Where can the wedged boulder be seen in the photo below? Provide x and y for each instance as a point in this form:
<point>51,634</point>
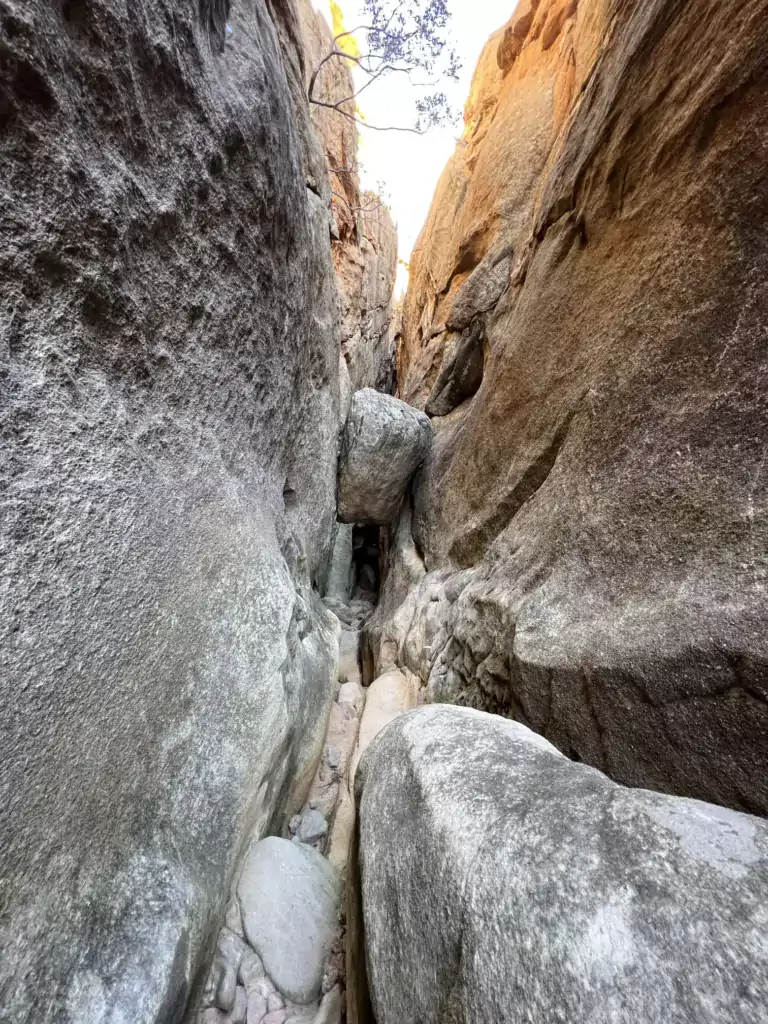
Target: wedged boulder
<point>290,897</point>
<point>502,882</point>
<point>482,289</point>
<point>384,443</point>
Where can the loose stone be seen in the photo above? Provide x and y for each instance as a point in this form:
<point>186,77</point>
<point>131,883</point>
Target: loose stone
<point>334,758</point>
<point>330,1008</point>
<point>251,970</point>
<point>313,827</point>
<point>265,987</point>
<point>274,1001</point>
<point>290,897</point>
<point>257,1008</point>
<point>240,1008</point>
<point>212,1015</point>
<point>278,1017</point>
<point>232,919</point>
<point>226,986</point>
<point>231,948</point>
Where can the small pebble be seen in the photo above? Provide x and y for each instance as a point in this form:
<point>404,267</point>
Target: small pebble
<point>299,1011</point>
<point>232,918</point>
<point>226,985</point>
<point>240,1009</point>
<point>330,977</point>
<point>274,1001</point>
<point>265,987</point>
<point>251,970</point>
<point>257,1008</point>
<point>213,1016</point>
<point>313,827</point>
<point>231,947</point>
<point>213,981</point>
<point>330,1008</point>
<point>293,824</point>
<point>333,755</point>
<point>276,1017</point>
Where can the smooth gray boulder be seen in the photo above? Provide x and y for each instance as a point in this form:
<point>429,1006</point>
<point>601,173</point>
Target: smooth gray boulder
<point>312,827</point>
<point>502,883</point>
<point>290,897</point>
<point>384,443</point>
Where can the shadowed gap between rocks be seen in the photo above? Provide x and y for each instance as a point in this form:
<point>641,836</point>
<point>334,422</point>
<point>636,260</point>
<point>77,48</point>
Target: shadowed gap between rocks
<point>281,955</point>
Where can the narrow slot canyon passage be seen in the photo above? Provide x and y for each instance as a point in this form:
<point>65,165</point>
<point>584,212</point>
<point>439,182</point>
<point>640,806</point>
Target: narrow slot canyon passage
<point>367,554</point>
<point>285,950</point>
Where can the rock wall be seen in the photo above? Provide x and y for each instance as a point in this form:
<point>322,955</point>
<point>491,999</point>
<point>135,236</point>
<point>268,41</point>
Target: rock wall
<point>170,416</point>
<point>365,239</point>
<point>536,889</point>
<point>586,322</point>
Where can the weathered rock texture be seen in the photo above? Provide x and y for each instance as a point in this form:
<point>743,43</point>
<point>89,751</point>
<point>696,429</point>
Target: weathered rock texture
<point>169,421</point>
<point>536,889</point>
<point>383,444</point>
<point>599,504</point>
<point>365,243</point>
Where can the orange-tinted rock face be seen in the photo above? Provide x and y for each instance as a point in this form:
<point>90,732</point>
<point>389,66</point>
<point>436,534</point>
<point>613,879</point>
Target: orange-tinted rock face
<point>600,238</point>
<point>521,89</point>
<point>365,244</point>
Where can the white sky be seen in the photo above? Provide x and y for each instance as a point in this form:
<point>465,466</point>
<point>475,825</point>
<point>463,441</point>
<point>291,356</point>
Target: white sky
<point>408,166</point>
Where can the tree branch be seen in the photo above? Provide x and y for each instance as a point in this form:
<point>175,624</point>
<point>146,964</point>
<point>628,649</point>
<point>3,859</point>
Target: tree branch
<point>373,127</point>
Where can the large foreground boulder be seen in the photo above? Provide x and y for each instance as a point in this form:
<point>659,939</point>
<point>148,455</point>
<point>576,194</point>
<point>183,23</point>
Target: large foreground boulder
<point>501,883</point>
<point>384,443</point>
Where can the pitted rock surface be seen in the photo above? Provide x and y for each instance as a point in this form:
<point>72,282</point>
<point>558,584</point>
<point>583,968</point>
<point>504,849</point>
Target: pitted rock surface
<point>169,420</point>
<point>605,483</point>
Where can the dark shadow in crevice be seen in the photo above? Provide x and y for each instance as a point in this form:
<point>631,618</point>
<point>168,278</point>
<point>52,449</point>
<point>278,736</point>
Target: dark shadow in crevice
<point>367,562</point>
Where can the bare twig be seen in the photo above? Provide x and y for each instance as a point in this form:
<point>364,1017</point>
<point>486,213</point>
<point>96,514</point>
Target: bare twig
<point>365,124</point>
<point>407,38</point>
<point>377,205</point>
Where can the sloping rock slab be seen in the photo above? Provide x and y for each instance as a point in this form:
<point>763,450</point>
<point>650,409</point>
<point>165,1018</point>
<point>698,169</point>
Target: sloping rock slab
<point>384,443</point>
<point>461,371</point>
<point>290,898</point>
<point>502,882</point>
<point>390,695</point>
